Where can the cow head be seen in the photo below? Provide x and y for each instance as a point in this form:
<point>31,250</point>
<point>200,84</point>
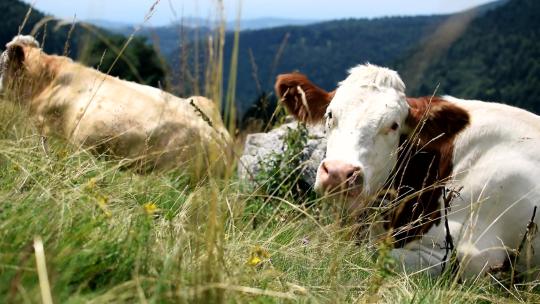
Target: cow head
<point>366,119</point>
<point>21,69</point>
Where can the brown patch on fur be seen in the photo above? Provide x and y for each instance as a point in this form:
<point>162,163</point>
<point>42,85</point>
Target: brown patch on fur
<point>317,99</point>
<point>424,165</point>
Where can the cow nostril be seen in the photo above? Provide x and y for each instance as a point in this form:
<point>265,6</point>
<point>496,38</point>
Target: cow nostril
<point>324,169</point>
<point>354,172</point>
<point>355,176</point>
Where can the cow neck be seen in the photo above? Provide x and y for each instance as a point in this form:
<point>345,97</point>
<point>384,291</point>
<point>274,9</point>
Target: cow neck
<point>424,165</point>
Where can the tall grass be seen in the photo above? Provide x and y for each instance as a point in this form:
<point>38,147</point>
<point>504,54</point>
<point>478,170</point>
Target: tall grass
<point>111,236</point>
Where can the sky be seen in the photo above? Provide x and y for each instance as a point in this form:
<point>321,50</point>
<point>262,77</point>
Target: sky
<point>134,11</point>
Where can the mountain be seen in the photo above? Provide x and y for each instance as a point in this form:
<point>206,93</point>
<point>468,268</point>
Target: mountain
<point>496,57</point>
<point>324,51</point>
<point>193,22</point>
<point>169,38</point>
<point>263,23</point>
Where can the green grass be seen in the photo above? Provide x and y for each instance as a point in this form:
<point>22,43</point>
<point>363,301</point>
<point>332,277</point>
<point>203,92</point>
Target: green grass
<point>104,242</point>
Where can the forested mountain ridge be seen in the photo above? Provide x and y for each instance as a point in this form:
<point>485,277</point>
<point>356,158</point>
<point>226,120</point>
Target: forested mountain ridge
<point>324,51</point>
<point>497,59</point>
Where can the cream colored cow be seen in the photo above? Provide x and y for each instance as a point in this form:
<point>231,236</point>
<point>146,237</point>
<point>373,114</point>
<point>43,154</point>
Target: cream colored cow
<point>140,124</point>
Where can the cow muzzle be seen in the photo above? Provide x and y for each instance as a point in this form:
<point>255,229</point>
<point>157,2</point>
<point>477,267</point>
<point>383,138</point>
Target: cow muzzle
<point>338,177</point>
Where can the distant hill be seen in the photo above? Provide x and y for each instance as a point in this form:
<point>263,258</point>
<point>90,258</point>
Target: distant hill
<point>324,51</point>
<point>263,23</point>
<point>193,22</point>
<point>496,58</point>
<point>169,38</point>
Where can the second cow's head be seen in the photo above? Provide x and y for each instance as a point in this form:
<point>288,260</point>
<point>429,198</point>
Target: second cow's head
<point>367,118</point>
<point>24,68</point>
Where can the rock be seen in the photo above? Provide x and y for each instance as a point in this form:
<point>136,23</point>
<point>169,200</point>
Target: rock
<point>260,146</point>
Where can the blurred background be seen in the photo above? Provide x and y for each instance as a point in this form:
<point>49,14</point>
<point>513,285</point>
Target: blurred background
<point>232,50</point>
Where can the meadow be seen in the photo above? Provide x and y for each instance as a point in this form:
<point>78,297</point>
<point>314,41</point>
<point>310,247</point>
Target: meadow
<point>111,235</point>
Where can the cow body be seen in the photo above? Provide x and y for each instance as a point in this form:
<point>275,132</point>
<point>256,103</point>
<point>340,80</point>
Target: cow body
<point>496,169</point>
<point>466,172</point>
<point>126,120</point>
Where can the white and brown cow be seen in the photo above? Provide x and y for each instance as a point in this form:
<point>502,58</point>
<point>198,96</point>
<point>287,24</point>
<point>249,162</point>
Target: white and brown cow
<point>145,125</point>
<point>479,159</point>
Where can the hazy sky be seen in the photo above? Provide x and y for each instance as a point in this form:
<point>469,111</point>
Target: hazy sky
<point>133,11</point>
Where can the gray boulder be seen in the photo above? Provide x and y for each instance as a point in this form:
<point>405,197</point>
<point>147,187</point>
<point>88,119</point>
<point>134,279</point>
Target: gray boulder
<point>260,146</point>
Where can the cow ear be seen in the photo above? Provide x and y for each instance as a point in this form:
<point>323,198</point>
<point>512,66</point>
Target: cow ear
<point>15,54</point>
<point>304,100</point>
<point>436,120</point>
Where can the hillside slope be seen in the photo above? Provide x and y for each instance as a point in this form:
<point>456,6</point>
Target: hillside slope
<point>324,51</point>
<point>497,58</point>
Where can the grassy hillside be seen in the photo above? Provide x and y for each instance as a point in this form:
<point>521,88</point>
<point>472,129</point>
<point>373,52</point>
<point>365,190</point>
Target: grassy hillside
<point>112,236</point>
<point>496,58</point>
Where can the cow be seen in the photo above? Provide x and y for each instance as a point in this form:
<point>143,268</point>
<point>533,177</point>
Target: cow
<point>141,125</point>
<point>464,174</point>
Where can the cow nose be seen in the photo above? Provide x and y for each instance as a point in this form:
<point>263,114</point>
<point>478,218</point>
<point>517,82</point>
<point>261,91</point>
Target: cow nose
<point>335,175</point>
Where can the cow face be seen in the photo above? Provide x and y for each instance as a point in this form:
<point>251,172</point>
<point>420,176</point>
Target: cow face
<point>14,67</point>
<point>363,123</point>
<point>366,118</point>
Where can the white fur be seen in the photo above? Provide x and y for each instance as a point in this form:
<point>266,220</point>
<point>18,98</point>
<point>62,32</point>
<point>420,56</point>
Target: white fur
<point>496,164</point>
<point>497,167</point>
<point>366,104</point>
<point>25,40</point>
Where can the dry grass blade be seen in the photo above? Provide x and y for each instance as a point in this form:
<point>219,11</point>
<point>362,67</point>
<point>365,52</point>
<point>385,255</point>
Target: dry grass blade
<point>44,285</point>
<point>25,20</point>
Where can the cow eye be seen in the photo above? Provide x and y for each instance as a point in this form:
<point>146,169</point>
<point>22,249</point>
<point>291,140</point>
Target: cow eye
<point>329,120</point>
<point>394,126</point>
